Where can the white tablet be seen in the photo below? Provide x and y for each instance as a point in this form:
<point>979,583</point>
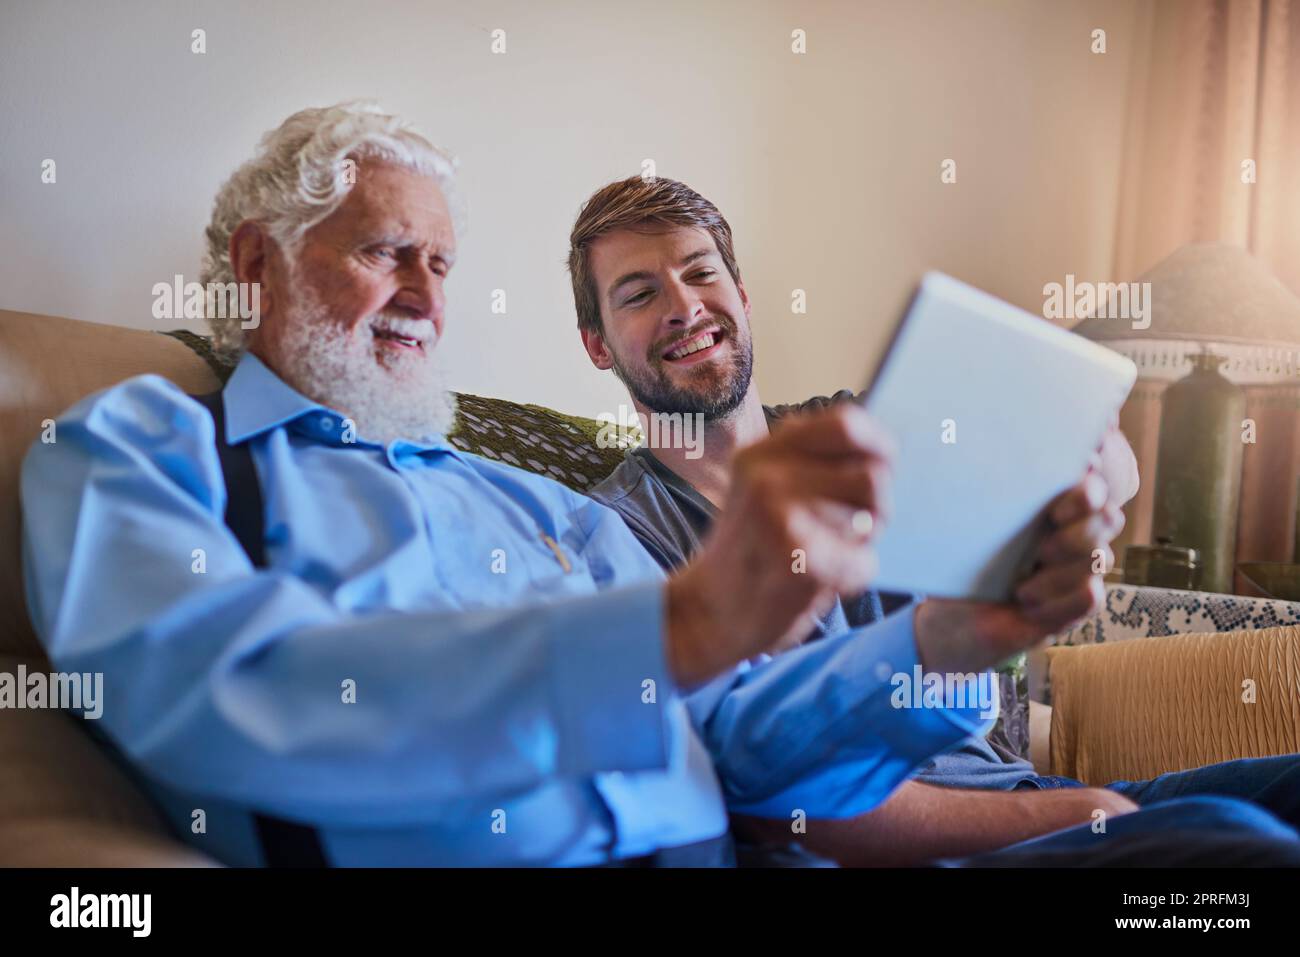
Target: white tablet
<point>995,412</point>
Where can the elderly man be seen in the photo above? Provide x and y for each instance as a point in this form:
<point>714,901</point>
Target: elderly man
<point>660,301</point>
<point>291,587</point>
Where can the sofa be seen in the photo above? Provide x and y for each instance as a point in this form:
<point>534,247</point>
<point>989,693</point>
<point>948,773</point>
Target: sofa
<point>66,802</point>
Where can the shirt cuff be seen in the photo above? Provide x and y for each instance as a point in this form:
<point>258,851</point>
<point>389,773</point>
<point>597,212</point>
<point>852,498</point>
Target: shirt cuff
<point>879,740</point>
<point>926,726</point>
<point>610,682</point>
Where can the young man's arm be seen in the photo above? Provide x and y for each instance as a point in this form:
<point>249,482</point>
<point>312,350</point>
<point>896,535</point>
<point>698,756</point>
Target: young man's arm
<point>920,823</point>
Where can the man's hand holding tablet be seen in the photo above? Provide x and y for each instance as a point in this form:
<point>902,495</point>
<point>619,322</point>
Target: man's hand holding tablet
<point>797,494</point>
<point>960,636</point>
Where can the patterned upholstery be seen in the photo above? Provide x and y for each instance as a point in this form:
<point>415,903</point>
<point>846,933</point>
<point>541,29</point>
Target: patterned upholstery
<point>535,438</point>
<point>1134,611</point>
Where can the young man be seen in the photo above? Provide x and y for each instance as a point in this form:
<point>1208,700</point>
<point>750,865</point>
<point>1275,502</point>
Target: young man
<point>660,302</point>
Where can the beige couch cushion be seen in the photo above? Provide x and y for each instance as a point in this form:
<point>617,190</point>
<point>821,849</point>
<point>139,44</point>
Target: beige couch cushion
<point>1131,710</point>
<point>46,365</point>
<point>63,803</point>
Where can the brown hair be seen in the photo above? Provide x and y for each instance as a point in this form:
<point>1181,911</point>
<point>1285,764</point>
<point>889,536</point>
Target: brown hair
<point>637,203</point>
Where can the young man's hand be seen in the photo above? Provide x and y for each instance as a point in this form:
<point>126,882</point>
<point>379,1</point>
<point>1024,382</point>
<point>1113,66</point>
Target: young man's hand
<point>1117,464</point>
<point>803,507</point>
<point>963,636</point>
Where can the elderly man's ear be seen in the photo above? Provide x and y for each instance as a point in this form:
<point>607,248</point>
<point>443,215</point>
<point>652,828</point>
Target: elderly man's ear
<point>250,252</point>
<point>595,343</point>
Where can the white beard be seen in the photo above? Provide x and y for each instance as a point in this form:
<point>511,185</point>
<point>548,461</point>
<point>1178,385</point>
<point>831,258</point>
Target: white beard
<point>388,395</point>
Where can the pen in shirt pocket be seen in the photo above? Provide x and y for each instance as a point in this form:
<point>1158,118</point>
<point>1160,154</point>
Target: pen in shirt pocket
<point>554,546</point>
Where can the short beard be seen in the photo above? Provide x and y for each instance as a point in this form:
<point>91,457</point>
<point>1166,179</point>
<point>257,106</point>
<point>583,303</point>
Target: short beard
<point>397,397</point>
<point>651,387</point>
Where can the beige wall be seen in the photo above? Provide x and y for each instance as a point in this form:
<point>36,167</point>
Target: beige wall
<point>827,164</point>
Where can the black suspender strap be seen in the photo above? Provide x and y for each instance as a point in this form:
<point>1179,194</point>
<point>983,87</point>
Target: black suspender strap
<point>244,513</point>
<point>284,843</point>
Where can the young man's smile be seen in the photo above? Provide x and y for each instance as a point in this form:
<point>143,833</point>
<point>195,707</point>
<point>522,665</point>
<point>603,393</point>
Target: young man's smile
<point>699,347</point>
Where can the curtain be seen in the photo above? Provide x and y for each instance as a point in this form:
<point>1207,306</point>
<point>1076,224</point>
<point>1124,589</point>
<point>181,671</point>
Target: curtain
<point>1215,83</point>
<point>1215,97</point>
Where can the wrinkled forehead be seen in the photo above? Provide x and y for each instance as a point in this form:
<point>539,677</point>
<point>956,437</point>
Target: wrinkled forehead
<point>390,203</point>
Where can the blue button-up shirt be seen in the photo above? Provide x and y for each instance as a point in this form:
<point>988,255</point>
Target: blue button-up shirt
<point>416,673</point>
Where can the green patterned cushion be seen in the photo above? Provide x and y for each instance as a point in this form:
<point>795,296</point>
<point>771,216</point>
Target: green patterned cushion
<point>532,437</point>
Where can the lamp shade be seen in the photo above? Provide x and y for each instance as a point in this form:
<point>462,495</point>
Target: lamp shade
<point>1209,294</point>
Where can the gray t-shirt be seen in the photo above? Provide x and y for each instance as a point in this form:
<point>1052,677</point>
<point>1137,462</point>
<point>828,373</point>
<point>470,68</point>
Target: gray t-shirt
<point>671,518</point>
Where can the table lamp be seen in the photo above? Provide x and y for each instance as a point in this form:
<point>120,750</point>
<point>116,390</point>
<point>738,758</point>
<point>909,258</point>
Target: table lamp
<point>1215,417</point>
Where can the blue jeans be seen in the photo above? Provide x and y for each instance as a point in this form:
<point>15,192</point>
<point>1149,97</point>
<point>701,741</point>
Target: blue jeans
<point>1270,783</point>
<point>1236,813</point>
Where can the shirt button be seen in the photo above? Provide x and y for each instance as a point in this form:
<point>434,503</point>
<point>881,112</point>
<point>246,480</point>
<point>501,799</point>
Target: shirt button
<point>326,423</point>
<point>884,670</point>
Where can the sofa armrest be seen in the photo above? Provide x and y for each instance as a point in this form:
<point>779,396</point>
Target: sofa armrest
<point>64,803</point>
<point>1139,611</point>
<point>1135,709</point>
<point>60,842</point>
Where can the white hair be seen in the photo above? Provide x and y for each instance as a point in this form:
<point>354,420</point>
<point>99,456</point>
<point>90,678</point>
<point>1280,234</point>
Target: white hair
<point>299,177</point>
